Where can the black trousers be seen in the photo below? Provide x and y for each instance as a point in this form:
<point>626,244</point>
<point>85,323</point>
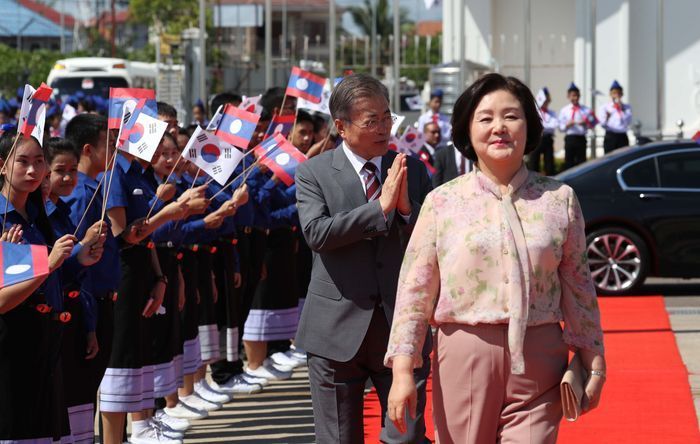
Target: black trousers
<point>574,150</point>
<point>337,391</point>
<point>613,141</point>
<point>544,149</point>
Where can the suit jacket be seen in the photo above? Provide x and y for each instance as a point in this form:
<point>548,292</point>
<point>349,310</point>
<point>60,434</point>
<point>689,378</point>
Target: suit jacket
<point>446,167</point>
<point>357,252</point>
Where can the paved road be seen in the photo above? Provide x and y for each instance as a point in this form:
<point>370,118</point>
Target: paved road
<point>282,413</point>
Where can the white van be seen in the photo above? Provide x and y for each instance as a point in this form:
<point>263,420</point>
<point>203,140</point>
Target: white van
<point>95,75</point>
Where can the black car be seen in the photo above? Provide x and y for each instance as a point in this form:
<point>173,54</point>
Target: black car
<point>642,210</point>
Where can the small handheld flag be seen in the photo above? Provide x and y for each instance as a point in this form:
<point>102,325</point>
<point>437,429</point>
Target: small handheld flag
<point>278,154</point>
<point>411,141</point>
<point>280,125</point>
<point>32,116</point>
<point>322,106</point>
<point>216,157</point>
<point>140,134</point>
<point>398,120</point>
<point>305,85</point>
<point>236,126</point>
<point>21,262</point>
<point>215,119</point>
<point>119,97</point>
<point>252,104</point>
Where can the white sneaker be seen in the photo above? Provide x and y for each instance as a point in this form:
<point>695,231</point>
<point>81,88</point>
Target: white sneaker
<point>281,367</point>
<point>183,411</point>
<point>166,430</point>
<point>205,392</point>
<point>197,402</point>
<point>269,371</point>
<point>151,435</point>
<point>237,384</point>
<point>289,358</point>
<point>250,379</point>
<point>174,423</point>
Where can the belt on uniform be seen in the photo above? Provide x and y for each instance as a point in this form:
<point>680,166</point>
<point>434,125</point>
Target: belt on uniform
<point>46,309</point>
<point>228,240</point>
<point>265,231</point>
<point>200,247</point>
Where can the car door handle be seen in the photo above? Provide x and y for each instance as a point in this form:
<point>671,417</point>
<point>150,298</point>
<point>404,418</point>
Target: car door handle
<point>650,196</point>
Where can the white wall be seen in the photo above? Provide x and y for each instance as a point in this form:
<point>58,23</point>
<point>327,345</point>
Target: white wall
<point>561,50</point>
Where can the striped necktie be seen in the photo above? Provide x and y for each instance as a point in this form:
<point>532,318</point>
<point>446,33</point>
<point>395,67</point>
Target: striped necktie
<point>373,188</point>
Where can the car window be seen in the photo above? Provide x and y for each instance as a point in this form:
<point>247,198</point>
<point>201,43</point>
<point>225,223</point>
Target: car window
<point>641,174</point>
<point>680,170</point>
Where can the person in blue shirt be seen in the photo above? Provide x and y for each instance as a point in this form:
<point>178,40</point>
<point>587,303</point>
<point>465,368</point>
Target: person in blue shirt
<point>31,383</point>
<point>80,344</point>
<point>88,133</point>
<point>128,382</point>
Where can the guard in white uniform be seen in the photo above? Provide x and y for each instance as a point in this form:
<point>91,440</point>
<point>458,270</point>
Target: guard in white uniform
<point>434,115</point>
<point>615,117</point>
<point>575,120</point>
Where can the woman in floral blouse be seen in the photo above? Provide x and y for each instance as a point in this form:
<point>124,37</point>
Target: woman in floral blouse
<point>496,261</point>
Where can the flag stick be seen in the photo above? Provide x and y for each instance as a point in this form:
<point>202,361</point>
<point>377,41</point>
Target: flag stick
<point>294,125</point>
<point>284,99</point>
<point>97,190</point>
<point>109,185</point>
<point>156,198</point>
<point>99,231</point>
<point>9,183</point>
<point>234,179</point>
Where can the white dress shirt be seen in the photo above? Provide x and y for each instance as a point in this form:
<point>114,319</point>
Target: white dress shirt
<point>569,114</point>
<point>614,119</point>
<point>443,122</point>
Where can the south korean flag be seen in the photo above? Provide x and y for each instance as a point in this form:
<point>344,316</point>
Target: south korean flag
<point>140,134</point>
<point>216,157</point>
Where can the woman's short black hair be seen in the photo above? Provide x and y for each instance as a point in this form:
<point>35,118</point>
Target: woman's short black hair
<point>466,105</point>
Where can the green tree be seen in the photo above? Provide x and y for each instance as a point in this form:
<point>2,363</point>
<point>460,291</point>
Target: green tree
<point>362,17</point>
<point>171,16</point>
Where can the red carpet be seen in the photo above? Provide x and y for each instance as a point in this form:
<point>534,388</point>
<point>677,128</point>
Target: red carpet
<point>647,397</point>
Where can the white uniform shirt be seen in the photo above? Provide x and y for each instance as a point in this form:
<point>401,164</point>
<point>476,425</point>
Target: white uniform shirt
<point>443,122</point>
<point>580,113</point>
<point>614,119</point>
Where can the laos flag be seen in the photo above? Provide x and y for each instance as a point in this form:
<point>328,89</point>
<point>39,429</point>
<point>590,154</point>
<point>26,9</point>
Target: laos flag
<point>280,125</point>
<point>32,115</point>
<point>119,97</point>
<point>280,156</point>
<point>305,85</point>
<point>236,126</point>
<point>21,262</point>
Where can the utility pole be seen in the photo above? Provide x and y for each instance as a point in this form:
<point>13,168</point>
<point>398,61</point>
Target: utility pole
<point>397,59</point>
<point>331,41</point>
<point>268,44</point>
<point>203,52</point>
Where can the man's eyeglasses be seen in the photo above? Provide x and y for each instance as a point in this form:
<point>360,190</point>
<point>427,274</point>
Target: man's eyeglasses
<point>373,124</point>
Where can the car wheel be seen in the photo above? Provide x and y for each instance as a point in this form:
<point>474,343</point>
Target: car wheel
<point>618,259</point>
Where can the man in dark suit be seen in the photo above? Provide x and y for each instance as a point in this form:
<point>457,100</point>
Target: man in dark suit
<point>449,163</point>
<point>357,206</point>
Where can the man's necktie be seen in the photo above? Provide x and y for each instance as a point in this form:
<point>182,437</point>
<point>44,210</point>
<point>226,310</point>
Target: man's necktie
<point>435,118</point>
<point>372,186</point>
